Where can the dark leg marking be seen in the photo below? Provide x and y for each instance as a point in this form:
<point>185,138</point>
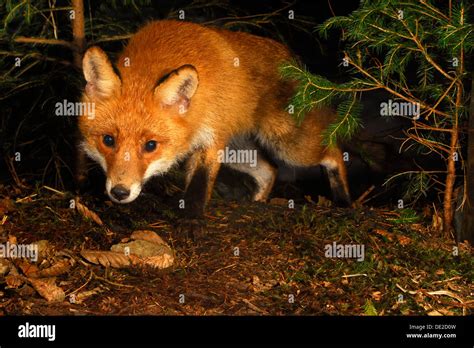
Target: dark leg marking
<point>196,194</point>
<point>340,196</point>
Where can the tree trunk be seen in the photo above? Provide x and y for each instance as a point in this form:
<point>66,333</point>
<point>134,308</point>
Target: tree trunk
<point>467,231</point>
<point>450,180</point>
<point>78,32</point>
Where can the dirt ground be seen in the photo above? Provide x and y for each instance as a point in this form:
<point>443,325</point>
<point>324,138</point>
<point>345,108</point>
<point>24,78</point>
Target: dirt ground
<point>253,259</point>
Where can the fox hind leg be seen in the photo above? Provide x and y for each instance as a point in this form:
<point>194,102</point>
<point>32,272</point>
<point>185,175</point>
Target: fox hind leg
<point>261,170</point>
<point>336,170</point>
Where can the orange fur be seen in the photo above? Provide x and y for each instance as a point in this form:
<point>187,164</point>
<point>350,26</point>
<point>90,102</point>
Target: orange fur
<point>228,86</point>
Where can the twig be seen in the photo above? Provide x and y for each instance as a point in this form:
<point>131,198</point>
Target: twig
<point>354,275</point>
<point>228,266</point>
<point>254,307</point>
<point>43,41</point>
<point>364,195</point>
<point>82,286</point>
<point>111,282</point>
<point>53,190</point>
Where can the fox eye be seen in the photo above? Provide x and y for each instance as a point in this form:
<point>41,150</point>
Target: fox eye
<point>150,146</point>
<point>108,140</point>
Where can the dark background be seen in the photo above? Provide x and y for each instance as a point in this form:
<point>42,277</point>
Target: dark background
<point>47,142</point>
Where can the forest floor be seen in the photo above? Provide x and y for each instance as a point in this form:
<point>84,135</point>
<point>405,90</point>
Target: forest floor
<point>253,259</point>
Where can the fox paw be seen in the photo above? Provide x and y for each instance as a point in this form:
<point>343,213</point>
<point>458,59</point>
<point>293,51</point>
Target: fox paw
<point>191,228</point>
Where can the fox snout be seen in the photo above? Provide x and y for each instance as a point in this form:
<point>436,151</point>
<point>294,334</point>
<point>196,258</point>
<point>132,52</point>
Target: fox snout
<point>121,192</point>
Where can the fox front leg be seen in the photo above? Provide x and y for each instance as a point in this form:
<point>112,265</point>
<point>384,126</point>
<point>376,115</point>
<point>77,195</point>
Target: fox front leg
<point>202,169</point>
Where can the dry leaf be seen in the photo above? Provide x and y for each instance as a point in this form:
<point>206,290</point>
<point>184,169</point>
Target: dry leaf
<point>161,261</point>
<point>107,258</point>
<point>45,249</point>
<point>84,295</point>
<point>58,268</point>
<point>4,266</point>
<point>14,281</point>
<point>149,236</point>
<point>279,201</point>
<point>324,202</point>
<point>384,233</point>
<point>404,240</point>
<point>48,289</point>
<point>377,295</point>
<point>396,268</point>
<point>6,206</point>
<point>12,239</point>
<point>27,268</point>
<point>437,222</point>
<point>259,286</point>
<point>87,213</point>
<point>446,311</point>
<point>434,313</point>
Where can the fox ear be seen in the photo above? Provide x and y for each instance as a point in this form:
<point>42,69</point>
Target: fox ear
<point>101,79</point>
<point>177,88</point>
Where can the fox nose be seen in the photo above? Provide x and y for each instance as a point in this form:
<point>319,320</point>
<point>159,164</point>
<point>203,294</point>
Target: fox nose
<point>120,192</point>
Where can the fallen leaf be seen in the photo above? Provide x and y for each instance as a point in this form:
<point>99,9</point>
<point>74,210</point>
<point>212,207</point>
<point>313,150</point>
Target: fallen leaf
<point>58,268</point>
<point>259,286</point>
<point>437,223</point>
<point>84,295</point>
<point>279,201</point>
<point>377,295</point>
<point>6,206</point>
<point>14,281</point>
<point>369,308</point>
<point>396,268</point>
<point>149,236</point>
<point>161,261</point>
<point>12,239</point>
<point>404,240</point>
<point>107,258</point>
<point>324,202</point>
<point>87,213</point>
<point>4,266</point>
<point>326,284</point>
<point>45,249</point>
<point>446,311</point>
<point>48,289</point>
<point>384,233</point>
<point>27,268</point>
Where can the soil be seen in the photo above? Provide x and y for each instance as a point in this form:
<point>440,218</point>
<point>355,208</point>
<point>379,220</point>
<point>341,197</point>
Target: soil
<point>252,259</point>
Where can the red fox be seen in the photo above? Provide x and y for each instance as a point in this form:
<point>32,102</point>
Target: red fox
<point>182,90</point>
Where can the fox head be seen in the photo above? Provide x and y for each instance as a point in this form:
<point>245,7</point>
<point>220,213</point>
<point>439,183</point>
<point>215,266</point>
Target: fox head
<point>139,129</point>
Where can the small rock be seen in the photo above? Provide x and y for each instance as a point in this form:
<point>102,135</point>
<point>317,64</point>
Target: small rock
<point>142,248</point>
